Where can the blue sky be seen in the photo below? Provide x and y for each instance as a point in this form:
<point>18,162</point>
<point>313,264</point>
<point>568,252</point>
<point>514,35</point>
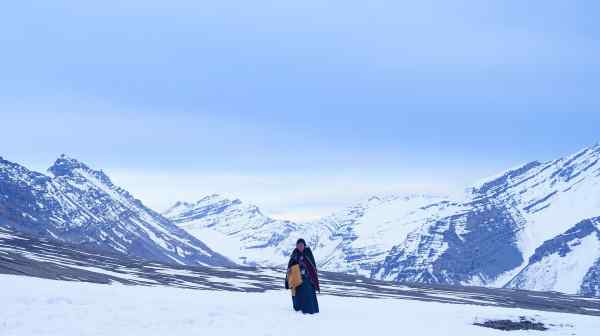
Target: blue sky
<point>301,107</point>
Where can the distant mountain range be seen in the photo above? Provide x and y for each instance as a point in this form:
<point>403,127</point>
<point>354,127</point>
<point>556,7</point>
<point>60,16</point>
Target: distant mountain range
<point>535,227</point>
<point>532,227</point>
<point>79,205</point>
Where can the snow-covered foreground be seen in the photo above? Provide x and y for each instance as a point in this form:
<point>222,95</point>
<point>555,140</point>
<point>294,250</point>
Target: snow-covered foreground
<point>32,306</point>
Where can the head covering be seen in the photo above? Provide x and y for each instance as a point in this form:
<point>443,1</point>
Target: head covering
<point>301,241</point>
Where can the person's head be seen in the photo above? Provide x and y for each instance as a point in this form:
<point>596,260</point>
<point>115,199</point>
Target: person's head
<point>300,245</point>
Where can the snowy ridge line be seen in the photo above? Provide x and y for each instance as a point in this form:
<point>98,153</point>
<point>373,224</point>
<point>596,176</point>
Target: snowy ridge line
<point>25,256</point>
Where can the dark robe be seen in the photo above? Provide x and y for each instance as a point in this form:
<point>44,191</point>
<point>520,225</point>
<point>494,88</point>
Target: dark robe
<point>305,299</point>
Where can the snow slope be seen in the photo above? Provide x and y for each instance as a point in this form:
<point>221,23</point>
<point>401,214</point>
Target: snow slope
<point>46,307</point>
<point>491,235</point>
<point>565,263</point>
<point>82,206</point>
<point>549,197</point>
<point>361,236</point>
<point>237,230</point>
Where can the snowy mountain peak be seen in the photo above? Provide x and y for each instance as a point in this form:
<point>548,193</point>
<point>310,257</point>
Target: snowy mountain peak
<point>212,204</point>
<point>213,198</point>
<point>67,166</point>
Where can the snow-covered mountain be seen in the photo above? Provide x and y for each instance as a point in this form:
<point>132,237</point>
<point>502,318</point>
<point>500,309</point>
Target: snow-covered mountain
<point>352,240</point>
<point>79,205</point>
<point>361,236</point>
<point>532,227</point>
<point>568,263</point>
<point>238,230</point>
<point>490,235</point>
<point>495,232</point>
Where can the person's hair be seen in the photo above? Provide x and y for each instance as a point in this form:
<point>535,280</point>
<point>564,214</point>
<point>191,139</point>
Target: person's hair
<point>301,241</point>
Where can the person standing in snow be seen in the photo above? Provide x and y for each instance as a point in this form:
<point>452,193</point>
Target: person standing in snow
<point>304,296</point>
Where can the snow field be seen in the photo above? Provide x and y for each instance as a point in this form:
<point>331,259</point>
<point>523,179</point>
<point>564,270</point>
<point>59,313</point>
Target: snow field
<point>33,306</point>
